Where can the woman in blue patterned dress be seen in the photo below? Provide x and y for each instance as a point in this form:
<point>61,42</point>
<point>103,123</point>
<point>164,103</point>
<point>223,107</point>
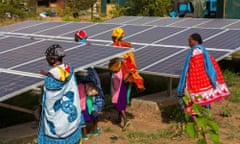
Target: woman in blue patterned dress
<point>61,112</point>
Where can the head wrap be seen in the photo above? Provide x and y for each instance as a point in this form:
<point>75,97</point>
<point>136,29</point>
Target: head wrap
<point>81,34</point>
<point>117,32</point>
<point>55,51</point>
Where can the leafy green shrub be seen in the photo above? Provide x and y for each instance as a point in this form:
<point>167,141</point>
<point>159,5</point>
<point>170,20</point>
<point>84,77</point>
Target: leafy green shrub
<point>144,8</point>
<point>17,9</point>
<point>198,127</point>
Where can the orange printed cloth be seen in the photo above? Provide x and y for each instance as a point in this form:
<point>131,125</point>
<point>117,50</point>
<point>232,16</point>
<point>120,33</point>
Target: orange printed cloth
<point>129,68</point>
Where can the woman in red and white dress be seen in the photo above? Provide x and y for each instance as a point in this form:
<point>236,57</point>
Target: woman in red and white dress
<point>201,76</point>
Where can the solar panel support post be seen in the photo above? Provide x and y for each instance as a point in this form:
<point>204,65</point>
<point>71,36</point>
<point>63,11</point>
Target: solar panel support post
<point>170,92</point>
<point>8,106</point>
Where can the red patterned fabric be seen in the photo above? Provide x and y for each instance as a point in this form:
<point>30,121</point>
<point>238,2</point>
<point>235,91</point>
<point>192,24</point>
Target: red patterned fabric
<point>197,77</point>
<point>199,84</point>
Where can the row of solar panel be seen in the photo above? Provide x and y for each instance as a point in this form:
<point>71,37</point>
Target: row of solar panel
<point>159,50</point>
<point>153,60</point>
<point>178,22</point>
<point>25,55</point>
<point>141,35</point>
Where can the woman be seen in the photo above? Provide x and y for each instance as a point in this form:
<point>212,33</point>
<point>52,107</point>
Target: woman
<point>201,76</point>
<point>123,79</point>
<point>90,91</point>
<point>61,112</point>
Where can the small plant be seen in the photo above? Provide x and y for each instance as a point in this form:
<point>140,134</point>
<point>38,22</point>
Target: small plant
<point>109,129</point>
<point>225,111</point>
<point>200,126</point>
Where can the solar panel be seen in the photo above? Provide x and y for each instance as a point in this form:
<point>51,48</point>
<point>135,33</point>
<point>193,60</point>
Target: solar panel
<point>153,34</point>
<point>181,39</point>
<point>141,20</point>
<point>36,28</point>
<point>172,67</point>
<point>160,45</point>
<point>217,23</point>
<point>64,29</point>
<point>120,20</point>
<point>235,25</point>
<point>144,33</point>
<point>28,53</point>
<point>8,43</point>
<point>227,40</point>
<point>79,56</point>
<point>151,54</point>
<point>11,85</point>
<point>20,25</point>
<point>95,29</point>
<point>189,22</point>
<point>164,22</point>
<point>128,29</point>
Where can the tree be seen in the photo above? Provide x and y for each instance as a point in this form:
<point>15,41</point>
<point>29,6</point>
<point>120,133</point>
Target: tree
<point>11,9</point>
<point>77,5</point>
<point>147,7</point>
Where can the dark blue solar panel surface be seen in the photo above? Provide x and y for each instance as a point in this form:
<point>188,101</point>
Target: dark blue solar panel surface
<point>20,25</point>
<point>154,34</point>
<point>164,22</point>
<point>174,65</point>
<point>189,22</point>
<point>95,29</point>
<point>11,83</point>
<point>152,54</point>
<point>78,57</point>
<point>171,66</point>
<point>120,20</point>
<point>29,53</point>
<point>217,23</point>
<point>99,42</point>
<point>236,25</point>
<point>136,46</point>
<point>218,55</point>
<point>35,28</point>
<point>128,29</point>
<point>182,38</point>
<point>9,43</point>
<point>66,28</point>
<point>141,20</point>
<point>228,40</point>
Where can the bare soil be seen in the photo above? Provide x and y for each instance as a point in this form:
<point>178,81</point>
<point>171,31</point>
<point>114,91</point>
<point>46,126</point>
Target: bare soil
<point>143,124</point>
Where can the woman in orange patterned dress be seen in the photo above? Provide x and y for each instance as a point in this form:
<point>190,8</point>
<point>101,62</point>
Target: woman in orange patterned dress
<point>123,79</point>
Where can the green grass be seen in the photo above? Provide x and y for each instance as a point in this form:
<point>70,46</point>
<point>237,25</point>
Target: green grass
<point>139,137</point>
<point>232,81</point>
<point>108,129</point>
<point>229,77</point>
